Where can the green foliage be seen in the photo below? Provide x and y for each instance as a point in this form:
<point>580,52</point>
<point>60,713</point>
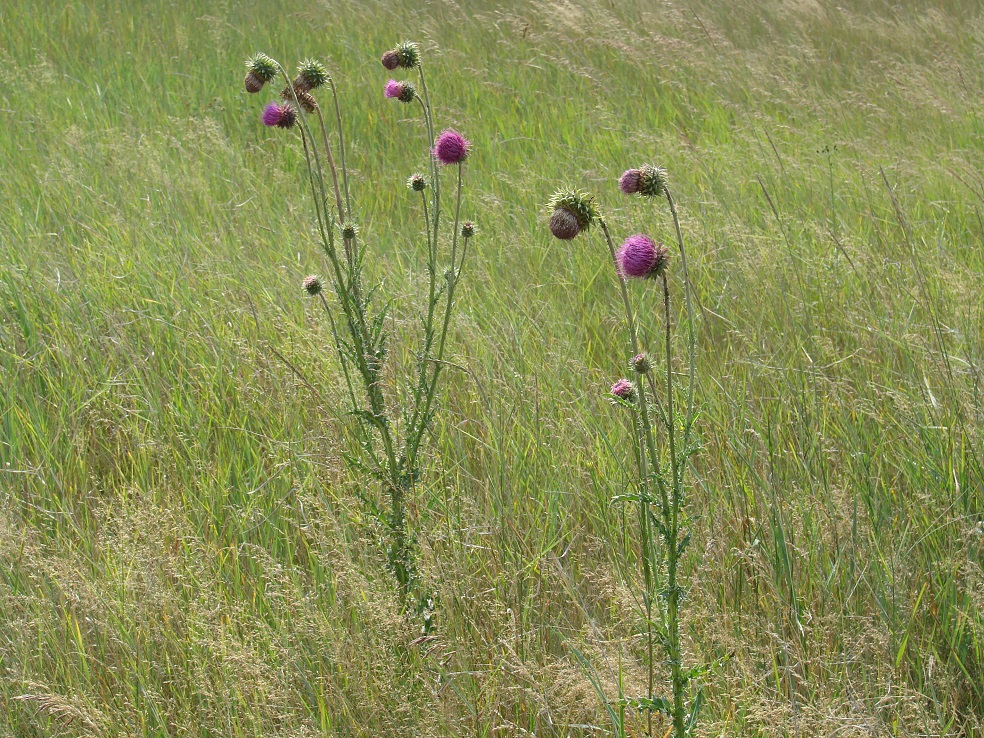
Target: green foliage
<point>183,548</point>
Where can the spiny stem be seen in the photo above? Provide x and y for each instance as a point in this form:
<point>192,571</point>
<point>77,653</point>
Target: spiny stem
<point>420,420</point>
<point>341,149</point>
<point>692,336</point>
<point>671,521</point>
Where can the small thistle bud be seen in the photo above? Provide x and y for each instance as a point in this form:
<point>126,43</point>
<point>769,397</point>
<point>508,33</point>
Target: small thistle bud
<point>647,180</point>
<point>641,364</point>
<point>261,70</point>
<point>312,285</point>
<point>306,99</point>
<point>624,390</point>
<point>451,147</point>
<point>408,55</point>
<point>416,182</point>
<point>391,59</point>
<point>641,257</point>
<point>281,115</point>
<point>349,231</point>
<point>311,74</point>
<point>573,212</point>
<point>467,229</point>
<point>403,91</point>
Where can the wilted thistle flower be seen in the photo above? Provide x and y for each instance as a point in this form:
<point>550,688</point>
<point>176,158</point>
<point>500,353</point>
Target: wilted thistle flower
<point>402,91</point>
<point>349,230</point>
<point>624,390</point>
<point>391,59</point>
<point>640,363</point>
<point>451,147</point>
<point>306,99</point>
<point>261,70</point>
<point>416,182</point>
<point>573,212</point>
<point>639,256</point>
<point>467,229</point>
<point>312,285</point>
<point>647,180</point>
<point>281,115</point>
<point>311,74</point>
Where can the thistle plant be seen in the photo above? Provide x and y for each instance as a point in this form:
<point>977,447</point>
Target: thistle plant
<point>662,424</point>
<point>392,413</point>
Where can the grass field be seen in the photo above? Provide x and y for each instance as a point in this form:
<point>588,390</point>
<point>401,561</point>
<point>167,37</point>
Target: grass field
<point>183,549</point>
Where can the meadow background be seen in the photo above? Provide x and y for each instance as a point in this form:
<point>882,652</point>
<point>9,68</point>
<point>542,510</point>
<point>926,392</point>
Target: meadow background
<point>183,551</point>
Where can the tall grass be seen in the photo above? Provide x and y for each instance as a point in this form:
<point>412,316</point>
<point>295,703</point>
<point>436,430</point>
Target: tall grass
<point>183,549</point>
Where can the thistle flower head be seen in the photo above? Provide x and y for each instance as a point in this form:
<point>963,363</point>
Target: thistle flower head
<point>311,74</point>
<point>407,54</point>
<point>306,99</point>
<point>451,147</point>
<point>402,91</point>
<point>391,59</point>
<point>467,229</point>
<point>349,230</point>
<point>641,257</point>
<point>416,182</point>
<point>640,363</point>
<point>624,390</point>
<point>573,212</point>
<point>647,180</point>
<point>312,285</point>
<point>281,115</point>
<point>261,69</point>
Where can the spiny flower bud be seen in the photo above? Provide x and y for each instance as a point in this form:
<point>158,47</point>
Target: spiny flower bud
<point>312,285</point>
<point>261,70</point>
<point>416,182</point>
<point>391,59</point>
<point>573,212</point>
<point>402,91</point>
<point>408,54</point>
<point>281,115</point>
<point>306,99</point>
<point>624,390</point>
<point>641,257</point>
<point>647,180</point>
<point>311,74</point>
<point>349,230</point>
<point>467,229</point>
<point>640,363</point>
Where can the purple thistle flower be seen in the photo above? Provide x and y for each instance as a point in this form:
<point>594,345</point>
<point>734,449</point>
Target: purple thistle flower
<point>647,180</point>
<point>281,115</point>
<point>312,285</point>
<point>640,363</point>
<point>623,389</point>
<point>641,257</point>
<point>451,147</point>
<point>402,91</point>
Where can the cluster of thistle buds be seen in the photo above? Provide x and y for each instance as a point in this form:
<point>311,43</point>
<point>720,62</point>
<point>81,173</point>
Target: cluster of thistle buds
<point>639,256</point>
<point>311,74</point>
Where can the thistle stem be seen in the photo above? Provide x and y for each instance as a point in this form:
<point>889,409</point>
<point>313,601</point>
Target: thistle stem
<point>671,522</point>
